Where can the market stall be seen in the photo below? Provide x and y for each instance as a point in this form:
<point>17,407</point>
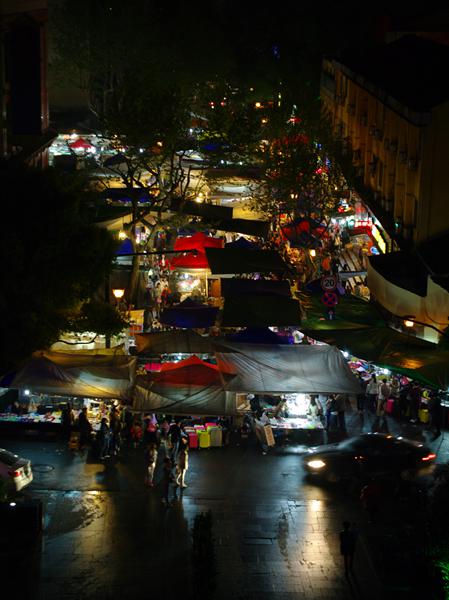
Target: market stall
<point>49,379</point>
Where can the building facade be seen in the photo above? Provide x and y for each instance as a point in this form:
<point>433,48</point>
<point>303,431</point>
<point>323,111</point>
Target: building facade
<point>391,107</point>
<point>24,113</point>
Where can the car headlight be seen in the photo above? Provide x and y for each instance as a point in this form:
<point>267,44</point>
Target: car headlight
<point>316,464</point>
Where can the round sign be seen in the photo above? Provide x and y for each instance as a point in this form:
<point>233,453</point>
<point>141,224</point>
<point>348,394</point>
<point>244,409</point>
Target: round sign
<point>329,283</point>
<point>330,298</point>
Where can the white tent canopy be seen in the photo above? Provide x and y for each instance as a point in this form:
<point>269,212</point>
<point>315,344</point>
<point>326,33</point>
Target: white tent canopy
<point>264,368</point>
<point>185,400</point>
<point>84,375</point>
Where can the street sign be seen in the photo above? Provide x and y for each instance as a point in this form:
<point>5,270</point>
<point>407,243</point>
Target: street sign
<point>330,298</point>
<point>329,283</point>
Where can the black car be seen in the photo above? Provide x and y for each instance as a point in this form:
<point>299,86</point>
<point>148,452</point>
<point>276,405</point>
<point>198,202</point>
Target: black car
<point>369,454</point>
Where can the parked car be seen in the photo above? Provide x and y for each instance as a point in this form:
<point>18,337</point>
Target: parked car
<point>368,455</point>
<point>15,470</point>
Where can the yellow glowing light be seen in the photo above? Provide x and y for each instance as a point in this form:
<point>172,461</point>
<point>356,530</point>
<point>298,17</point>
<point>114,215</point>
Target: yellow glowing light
<point>118,293</point>
<point>379,239</point>
<point>316,464</point>
<point>265,120</point>
<point>312,253</point>
<point>408,323</point>
<point>122,235</point>
<point>159,144</point>
<point>258,105</point>
<point>316,505</point>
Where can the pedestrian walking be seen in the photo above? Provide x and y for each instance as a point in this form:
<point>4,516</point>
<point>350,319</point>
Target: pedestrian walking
<point>85,429</point>
<point>331,412</point>
<point>150,463</point>
<point>136,433</point>
<point>167,479</point>
<point>361,395</point>
<point>348,541</point>
<point>340,401</point>
<point>414,399</point>
<point>435,415</point>
<point>383,396</point>
<point>372,391</point>
<point>115,428</point>
<point>67,421</point>
<point>103,439</point>
<point>174,435</point>
<point>182,462</point>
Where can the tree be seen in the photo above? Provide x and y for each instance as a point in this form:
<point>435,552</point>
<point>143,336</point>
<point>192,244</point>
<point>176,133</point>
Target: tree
<point>53,261</point>
<point>143,94</point>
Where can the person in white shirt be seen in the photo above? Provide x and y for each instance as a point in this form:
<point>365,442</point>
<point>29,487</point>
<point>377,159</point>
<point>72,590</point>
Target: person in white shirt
<point>372,392</point>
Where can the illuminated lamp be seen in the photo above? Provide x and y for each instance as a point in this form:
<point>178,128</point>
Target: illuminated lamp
<point>118,293</point>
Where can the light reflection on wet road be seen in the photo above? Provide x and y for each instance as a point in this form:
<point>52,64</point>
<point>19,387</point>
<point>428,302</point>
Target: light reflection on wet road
<point>106,536</point>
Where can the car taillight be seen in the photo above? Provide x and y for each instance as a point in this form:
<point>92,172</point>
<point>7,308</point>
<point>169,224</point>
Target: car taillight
<point>430,456</point>
<point>14,473</point>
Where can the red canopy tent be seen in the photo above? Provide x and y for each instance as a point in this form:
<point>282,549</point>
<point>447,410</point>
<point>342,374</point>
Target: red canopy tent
<point>189,261</point>
<point>191,371</point>
<point>80,144</point>
<point>197,241</point>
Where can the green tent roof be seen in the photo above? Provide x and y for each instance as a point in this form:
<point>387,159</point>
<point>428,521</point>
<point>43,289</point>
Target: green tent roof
<point>400,352</point>
<point>350,313</point>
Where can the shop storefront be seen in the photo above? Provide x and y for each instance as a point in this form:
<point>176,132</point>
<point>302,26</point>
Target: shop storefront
<point>41,413</point>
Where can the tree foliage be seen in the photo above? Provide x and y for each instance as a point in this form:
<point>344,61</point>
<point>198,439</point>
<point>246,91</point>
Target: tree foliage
<point>53,260</point>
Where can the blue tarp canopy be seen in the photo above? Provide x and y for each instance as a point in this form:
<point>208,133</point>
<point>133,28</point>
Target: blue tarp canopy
<point>189,315</point>
<point>258,335</point>
<point>125,247</point>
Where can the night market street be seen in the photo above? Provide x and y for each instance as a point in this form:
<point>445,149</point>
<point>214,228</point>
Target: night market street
<point>276,535</point>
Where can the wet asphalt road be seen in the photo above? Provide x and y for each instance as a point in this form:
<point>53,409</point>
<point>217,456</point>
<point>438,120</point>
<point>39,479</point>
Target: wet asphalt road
<point>106,536</point>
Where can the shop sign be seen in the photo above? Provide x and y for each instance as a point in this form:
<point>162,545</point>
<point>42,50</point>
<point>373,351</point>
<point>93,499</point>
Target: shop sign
<point>329,283</point>
<point>379,239</point>
<point>269,436</point>
<point>330,298</point>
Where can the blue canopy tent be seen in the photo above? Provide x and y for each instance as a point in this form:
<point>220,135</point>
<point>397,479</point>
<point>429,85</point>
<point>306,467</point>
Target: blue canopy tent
<point>189,315</point>
<point>125,247</point>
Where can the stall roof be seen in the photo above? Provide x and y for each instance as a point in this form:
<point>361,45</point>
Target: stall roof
<point>416,358</point>
<point>91,376</point>
<point>207,211</point>
<point>257,335</point>
<point>197,241</point>
<point>189,315</point>
<point>260,368</point>
<point>173,342</point>
<point>260,311</point>
<point>245,226</point>
<point>350,313</point>
<point>257,287</point>
<point>238,260</point>
<point>189,262</point>
<point>191,386</point>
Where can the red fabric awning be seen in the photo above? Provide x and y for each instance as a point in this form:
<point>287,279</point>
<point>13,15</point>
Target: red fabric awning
<point>80,143</point>
<point>198,241</point>
<point>189,261</point>
<point>192,371</point>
